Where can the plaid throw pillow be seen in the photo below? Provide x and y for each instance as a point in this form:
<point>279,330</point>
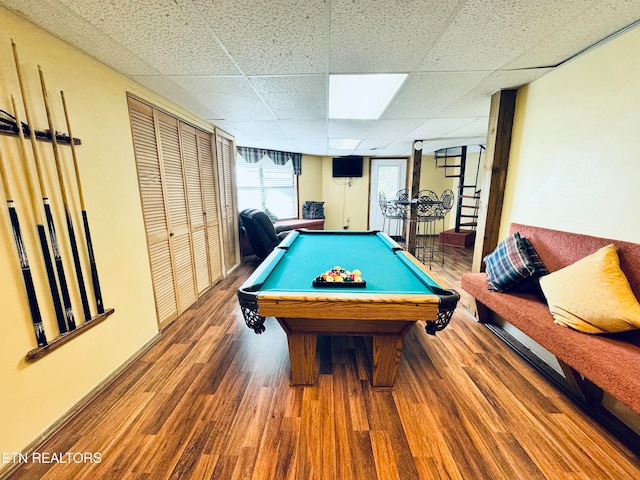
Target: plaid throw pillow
<point>513,265</point>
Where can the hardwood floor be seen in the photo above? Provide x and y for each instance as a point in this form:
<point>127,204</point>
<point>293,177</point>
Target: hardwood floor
<point>213,400</point>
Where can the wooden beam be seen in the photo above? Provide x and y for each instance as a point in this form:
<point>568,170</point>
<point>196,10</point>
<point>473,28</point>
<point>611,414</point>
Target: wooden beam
<point>416,168</point>
<point>494,178</point>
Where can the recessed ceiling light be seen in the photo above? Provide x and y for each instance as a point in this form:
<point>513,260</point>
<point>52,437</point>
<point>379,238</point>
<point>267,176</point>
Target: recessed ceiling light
<point>362,96</point>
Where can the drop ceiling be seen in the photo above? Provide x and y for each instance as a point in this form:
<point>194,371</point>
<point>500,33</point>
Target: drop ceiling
<point>260,69</point>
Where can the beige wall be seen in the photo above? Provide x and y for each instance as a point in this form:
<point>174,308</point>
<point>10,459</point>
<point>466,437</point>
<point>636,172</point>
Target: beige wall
<point>310,182</point>
<point>34,395</point>
<point>345,199</point>
<point>574,156</point>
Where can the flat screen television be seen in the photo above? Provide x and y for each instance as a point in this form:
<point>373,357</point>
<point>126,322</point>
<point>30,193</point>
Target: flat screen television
<point>350,166</point>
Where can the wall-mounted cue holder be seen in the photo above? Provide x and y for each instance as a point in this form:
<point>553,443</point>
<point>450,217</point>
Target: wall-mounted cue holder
<point>8,126</point>
<point>60,340</point>
<point>70,323</point>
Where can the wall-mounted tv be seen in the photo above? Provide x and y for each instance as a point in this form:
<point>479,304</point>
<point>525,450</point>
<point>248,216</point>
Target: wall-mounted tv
<point>350,166</point>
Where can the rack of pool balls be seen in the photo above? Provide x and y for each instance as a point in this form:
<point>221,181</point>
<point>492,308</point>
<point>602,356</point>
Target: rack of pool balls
<point>339,277</point>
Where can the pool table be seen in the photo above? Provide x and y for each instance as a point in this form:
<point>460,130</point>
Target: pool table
<point>398,291</point>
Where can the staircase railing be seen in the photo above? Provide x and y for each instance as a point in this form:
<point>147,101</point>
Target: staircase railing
<point>454,162</point>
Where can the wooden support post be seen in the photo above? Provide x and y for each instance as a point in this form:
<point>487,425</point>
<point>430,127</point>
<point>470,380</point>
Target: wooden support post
<point>416,168</point>
<point>494,179</point>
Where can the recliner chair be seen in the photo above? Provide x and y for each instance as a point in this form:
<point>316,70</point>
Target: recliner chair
<point>260,232</point>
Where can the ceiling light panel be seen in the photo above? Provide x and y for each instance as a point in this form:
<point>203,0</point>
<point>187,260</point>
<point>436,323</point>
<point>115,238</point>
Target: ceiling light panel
<point>362,96</point>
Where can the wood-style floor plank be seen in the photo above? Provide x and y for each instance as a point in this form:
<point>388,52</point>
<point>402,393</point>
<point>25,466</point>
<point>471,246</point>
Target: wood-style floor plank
<point>213,400</point>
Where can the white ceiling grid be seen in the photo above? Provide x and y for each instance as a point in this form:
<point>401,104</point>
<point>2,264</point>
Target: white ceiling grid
<point>259,69</point>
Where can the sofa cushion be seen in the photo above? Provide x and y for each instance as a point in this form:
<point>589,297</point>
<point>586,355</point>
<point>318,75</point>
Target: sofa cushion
<point>513,264</point>
<point>585,353</point>
<point>592,295</point>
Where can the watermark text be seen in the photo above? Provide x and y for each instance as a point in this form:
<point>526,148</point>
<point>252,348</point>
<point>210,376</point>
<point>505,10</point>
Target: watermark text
<point>50,457</point>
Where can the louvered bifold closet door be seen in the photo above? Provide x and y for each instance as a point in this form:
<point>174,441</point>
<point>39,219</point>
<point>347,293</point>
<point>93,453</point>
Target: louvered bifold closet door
<point>210,201</point>
<point>153,206</point>
<point>176,206</point>
<point>195,204</point>
<point>225,150</point>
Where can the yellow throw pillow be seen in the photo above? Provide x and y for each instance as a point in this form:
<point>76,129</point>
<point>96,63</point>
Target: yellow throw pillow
<point>592,295</point>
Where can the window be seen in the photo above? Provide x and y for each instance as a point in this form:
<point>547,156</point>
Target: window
<point>267,186</point>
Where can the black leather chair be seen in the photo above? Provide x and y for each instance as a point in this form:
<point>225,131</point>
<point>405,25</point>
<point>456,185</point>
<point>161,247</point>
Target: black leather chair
<point>260,231</point>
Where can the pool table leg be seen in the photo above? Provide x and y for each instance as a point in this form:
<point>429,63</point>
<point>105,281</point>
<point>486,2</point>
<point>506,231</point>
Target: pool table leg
<point>302,355</point>
<point>386,357</point>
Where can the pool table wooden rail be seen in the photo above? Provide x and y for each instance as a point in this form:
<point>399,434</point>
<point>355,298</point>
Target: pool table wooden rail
<point>355,306</point>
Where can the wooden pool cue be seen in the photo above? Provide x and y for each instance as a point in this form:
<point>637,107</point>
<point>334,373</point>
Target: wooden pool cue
<point>62,317</point>
<point>36,318</point>
<point>64,289</point>
<point>65,201</point>
<point>92,260</point>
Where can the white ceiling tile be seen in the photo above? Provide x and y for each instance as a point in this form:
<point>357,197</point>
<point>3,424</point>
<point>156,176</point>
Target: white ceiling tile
<point>476,128</point>
<point>312,146</point>
<point>171,35</point>
<point>263,130</point>
<point>487,35</point>
<point>398,148</point>
<point>349,128</point>
<point>437,128</point>
<point>477,102</point>
<point>293,97</point>
<point>78,32</point>
<point>473,104</point>
<point>372,145</point>
<point>306,129</point>
<point>506,79</point>
<point>394,128</point>
<point>170,89</point>
<point>593,25</point>
<point>232,97</point>
<point>271,38</point>
<point>425,94</point>
<point>367,37</point>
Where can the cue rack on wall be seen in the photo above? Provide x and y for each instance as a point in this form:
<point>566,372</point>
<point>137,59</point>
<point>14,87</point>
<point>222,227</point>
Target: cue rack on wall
<point>48,198</point>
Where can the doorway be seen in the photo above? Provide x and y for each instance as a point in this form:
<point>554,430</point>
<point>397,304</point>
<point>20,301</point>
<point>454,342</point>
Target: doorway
<point>388,176</point>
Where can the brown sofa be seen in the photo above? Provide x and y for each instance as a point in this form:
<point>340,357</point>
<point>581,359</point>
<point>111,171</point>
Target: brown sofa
<point>591,363</point>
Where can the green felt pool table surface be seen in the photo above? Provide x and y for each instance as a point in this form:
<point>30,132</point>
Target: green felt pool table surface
<point>384,266</point>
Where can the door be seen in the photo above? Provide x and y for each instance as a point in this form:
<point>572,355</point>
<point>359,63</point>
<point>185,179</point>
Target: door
<point>179,193</point>
<point>226,154</point>
<point>388,176</point>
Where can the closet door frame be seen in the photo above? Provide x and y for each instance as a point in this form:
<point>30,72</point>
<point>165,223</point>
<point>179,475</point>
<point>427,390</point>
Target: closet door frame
<point>234,234</point>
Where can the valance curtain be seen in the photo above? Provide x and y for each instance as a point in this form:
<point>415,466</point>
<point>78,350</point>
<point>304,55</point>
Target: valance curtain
<point>254,155</point>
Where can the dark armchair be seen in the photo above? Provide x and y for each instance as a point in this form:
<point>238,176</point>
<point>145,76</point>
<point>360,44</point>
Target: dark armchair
<point>260,232</point>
